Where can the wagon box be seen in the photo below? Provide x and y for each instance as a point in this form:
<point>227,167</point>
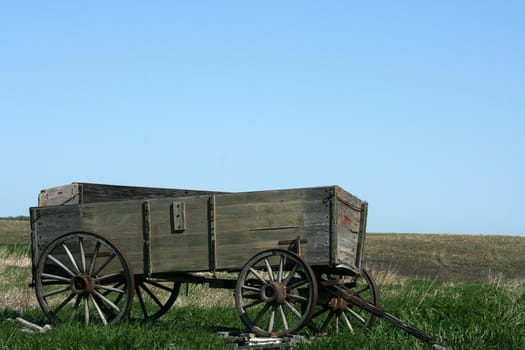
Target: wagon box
<point>169,230</point>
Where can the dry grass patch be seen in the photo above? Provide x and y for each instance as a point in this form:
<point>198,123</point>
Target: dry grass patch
<point>15,232</point>
<point>15,293</point>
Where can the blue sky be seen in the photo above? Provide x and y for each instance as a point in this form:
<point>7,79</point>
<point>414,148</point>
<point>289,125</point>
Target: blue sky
<point>416,107</point>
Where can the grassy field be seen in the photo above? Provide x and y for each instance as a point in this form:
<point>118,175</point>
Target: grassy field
<point>433,281</point>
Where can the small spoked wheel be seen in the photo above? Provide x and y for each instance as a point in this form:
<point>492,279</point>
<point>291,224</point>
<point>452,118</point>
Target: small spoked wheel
<point>84,276</point>
<point>334,313</point>
<point>155,296</point>
<point>276,293</point>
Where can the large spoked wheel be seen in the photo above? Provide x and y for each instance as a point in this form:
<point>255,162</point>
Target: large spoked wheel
<point>276,293</point>
<point>333,313</point>
<point>84,276</point>
<point>155,296</point>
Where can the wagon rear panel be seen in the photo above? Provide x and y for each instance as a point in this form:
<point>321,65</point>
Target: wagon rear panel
<point>349,230</point>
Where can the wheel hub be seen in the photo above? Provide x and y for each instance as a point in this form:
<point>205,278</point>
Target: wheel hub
<point>274,293</point>
<point>338,304</point>
<point>82,284</point>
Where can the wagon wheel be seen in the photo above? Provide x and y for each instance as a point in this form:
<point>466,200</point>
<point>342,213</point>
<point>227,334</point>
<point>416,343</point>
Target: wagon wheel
<point>335,313</point>
<point>155,297</point>
<point>84,276</point>
<point>276,293</point>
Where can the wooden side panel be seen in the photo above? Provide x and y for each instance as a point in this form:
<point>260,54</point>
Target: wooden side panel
<point>174,249</point>
<point>122,222</point>
<point>247,223</point>
<point>94,193</point>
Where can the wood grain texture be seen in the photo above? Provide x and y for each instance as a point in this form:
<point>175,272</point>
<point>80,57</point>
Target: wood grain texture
<point>78,192</point>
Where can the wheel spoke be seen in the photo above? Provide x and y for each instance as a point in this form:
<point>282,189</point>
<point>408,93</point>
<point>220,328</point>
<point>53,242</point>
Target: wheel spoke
<point>269,269</point>
<point>107,301</point>
<point>294,310</point>
<point>347,321</point>
<point>108,276</point>
<point>253,303</point>
<point>321,311</point>
<point>71,258</point>
<point>365,288</point>
<point>158,285</point>
<point>283,316</point>
<point>297,285</point>
<point>94,258</point>
<point>327,320</point>
<point>356,315</point>
<point>110,289</point>
<point>280,274</point>
<point>82,254</point>
<point>55,277</point>
<point>272,319</point>
<point>64,303</point>
<point>257,275</point>
<point>141,301</point>
<point>290,275</point>
<point>59,263</point>
<point>254,289</point>
<point>296,297</point>
<point>86,311</point>
<point>261,313</point>
<point>150,293</point>
<point>57,291</point>
<point>99,311</point>
<point>106,263</point>
<point>251,295</point>
<point>75,308</point>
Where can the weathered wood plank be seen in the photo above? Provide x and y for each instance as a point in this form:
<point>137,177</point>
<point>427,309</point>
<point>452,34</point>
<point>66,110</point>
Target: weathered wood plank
<point>175,250</point>
<point>77,192</point>
<point>122,222</point>
<point>50,223</point>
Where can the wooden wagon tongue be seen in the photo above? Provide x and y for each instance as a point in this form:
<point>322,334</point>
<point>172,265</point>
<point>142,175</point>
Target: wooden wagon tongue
<point>351,298</point>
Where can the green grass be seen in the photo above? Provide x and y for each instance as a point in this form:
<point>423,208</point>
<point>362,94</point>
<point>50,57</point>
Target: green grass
<point>464,315</point>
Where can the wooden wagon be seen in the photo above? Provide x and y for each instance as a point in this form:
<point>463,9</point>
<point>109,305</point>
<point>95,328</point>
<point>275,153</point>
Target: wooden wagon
<point>296,255</point>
